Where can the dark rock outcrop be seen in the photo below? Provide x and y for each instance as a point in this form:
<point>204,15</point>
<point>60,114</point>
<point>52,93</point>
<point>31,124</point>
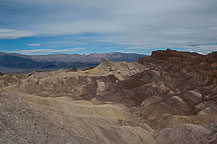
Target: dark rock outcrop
<point>204,64</point>
<point>1,74</point>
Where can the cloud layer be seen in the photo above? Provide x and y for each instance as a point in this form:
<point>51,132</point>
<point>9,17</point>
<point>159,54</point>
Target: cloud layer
<point>47,51</point>
<point>13,34</point>
<point>136,24</point>
<point>34,45</point>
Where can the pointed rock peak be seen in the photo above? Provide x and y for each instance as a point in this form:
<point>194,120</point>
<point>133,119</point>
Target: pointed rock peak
<point>169,50</point>
<point>104,61</point>
<point>1,74</point>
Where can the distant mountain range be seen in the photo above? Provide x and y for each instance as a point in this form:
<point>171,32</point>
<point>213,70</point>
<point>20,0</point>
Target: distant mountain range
<point>13,62</point>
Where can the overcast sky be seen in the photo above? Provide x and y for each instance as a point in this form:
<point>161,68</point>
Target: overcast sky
<point>88,26</point>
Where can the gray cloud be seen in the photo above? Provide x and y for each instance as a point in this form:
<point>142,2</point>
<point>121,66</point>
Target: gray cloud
<point>13,34</point>
<point>144,24</point>
<point>34,45</point>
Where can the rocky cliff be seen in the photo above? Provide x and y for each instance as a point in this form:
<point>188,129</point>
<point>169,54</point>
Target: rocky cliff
<point>189,60</point>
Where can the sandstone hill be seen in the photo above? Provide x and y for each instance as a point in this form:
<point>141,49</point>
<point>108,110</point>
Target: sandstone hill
<point>169,97</point>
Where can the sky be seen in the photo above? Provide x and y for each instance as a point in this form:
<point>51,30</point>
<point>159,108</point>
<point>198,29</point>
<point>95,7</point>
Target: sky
<point>39,27</point>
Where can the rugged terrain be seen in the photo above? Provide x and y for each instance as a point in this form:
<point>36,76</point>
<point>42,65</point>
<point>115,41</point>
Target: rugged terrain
<point>169,97</point>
